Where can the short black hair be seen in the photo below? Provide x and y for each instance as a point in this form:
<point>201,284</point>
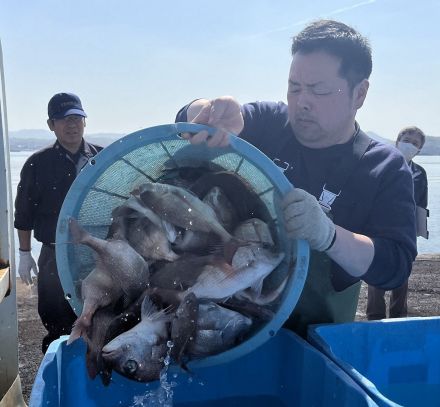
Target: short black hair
<point>341,41</point>
<point>412,130</point>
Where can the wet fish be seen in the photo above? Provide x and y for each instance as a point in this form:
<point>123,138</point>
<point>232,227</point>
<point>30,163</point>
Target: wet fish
<point>139,353</point>
<point>184,327</point>
<point>150,241</point>
<point>119,272</point>
<point>218,329</point>
<point>180,274</point>
<point>257,297</point>
<point>197,241</point>
<point>254,230</point>
<point>96,339</point>
<point>245,201</point>
<point>222,207</point>
<point>181,208</point>
<point>254,311</point>
<point>250,265</point>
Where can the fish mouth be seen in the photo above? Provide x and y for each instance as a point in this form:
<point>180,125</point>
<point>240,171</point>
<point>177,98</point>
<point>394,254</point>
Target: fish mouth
<point>111,355</point>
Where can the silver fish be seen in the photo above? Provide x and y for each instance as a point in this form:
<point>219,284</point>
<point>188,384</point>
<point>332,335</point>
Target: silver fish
<point>250,265</point>
<point>181,208</point>
<point>139,353</point>
<point>222,207</point>
<point>119,272</point>
<point>192,240</point>
<point>218,329</point>
<point>254,230</point>
<point>180,274</point>
<point>150,241</point>
<point>183,327</point>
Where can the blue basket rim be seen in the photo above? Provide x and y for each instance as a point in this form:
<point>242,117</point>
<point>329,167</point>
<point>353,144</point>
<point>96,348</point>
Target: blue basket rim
<point>168,132</point>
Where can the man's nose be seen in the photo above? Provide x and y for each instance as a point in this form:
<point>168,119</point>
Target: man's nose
<point>304,101</point>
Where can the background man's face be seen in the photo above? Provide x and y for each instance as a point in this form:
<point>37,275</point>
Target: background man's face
<point>412,138</point>
<point>69,130</point>
<point>320,103</point>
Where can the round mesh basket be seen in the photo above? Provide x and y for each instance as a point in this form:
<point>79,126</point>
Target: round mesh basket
<point>108,179</point>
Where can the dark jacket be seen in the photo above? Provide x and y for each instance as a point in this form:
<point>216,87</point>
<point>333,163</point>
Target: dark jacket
<point>44,182</point>
<point>376,201</point>
<point>420,184</point>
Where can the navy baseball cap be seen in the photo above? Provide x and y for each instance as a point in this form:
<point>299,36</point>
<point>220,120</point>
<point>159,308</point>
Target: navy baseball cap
<point>64,104</point>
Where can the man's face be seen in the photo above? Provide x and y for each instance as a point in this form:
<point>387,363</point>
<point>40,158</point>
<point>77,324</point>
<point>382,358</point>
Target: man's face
<point>69,131</point>
<point>321,105</point>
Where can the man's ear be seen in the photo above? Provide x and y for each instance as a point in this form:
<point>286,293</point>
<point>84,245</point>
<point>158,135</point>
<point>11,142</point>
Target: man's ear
<point>50,124</point>
<point>84,122</point>
<point>360,93</point>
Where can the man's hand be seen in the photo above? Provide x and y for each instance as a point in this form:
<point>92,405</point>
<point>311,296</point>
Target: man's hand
<point>26,264</point>
<point>305,219</point>
<point>223,113</point>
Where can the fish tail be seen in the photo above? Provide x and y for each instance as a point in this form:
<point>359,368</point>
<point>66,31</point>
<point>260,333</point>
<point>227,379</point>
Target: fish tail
<point>91,363</point>
<point>79,234</point>
<point>79,330</point>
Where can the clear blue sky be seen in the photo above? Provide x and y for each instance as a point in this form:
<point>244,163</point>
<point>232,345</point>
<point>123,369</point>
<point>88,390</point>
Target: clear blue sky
<point>135,62</point>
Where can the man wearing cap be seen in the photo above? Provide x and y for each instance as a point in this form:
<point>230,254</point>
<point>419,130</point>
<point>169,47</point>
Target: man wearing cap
<point>44,182</point>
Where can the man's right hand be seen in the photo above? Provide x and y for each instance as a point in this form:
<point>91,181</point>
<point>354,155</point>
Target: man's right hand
<point>26,264</point>
<point>223,113</point>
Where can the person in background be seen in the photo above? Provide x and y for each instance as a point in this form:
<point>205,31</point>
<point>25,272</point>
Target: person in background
<point>352,199</point>
<point>410,141</point>
<point>44,182</point>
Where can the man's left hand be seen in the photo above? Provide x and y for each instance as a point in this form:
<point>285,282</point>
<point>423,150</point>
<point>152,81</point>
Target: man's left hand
<point>305,219</point>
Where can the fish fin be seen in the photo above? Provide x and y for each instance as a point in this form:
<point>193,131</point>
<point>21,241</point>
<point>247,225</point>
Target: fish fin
<point>91,363</point>
<point>150,311</point>
<point>79,330</point>
<point>147,308</point>
<point>228,249</point>
<point>170,231</point>
<point>273,295</point>
<point>250,309</point>
<point>184,326</point>
<point>104,369</point>
<point>79,234</point>
<point>166,296</point>
<point>106,375</point>
<point>257,287</point>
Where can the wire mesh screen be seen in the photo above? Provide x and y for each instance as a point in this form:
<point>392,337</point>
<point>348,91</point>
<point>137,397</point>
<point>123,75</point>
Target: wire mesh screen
<point>153,155</point>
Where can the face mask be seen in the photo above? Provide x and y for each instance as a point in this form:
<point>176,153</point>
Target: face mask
<point>408,150</point>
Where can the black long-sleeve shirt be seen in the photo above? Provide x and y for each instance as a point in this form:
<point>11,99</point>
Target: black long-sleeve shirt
<point>377,199</point>
<point>45,180</point>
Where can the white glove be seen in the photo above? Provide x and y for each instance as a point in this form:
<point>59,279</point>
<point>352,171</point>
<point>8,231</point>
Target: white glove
<point>305,219</point>
<point>26,264</point>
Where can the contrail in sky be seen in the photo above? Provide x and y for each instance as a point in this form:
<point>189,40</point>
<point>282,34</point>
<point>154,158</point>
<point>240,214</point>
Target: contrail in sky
<point>305,21</point>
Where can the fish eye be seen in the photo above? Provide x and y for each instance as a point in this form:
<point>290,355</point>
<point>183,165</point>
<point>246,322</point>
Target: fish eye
<point>130,366</point>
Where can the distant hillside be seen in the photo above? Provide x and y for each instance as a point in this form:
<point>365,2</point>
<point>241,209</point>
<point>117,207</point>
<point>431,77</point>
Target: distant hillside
<point>30,140</point>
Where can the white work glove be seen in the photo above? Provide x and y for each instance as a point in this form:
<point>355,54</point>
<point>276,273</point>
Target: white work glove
<point>25,265</point>
<point>305,219</point>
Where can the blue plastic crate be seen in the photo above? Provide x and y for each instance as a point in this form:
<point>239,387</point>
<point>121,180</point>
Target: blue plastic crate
<point>396,361</point>
<point>285,371</point>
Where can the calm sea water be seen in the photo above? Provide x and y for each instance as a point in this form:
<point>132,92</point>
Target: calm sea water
<point>430,163</point>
